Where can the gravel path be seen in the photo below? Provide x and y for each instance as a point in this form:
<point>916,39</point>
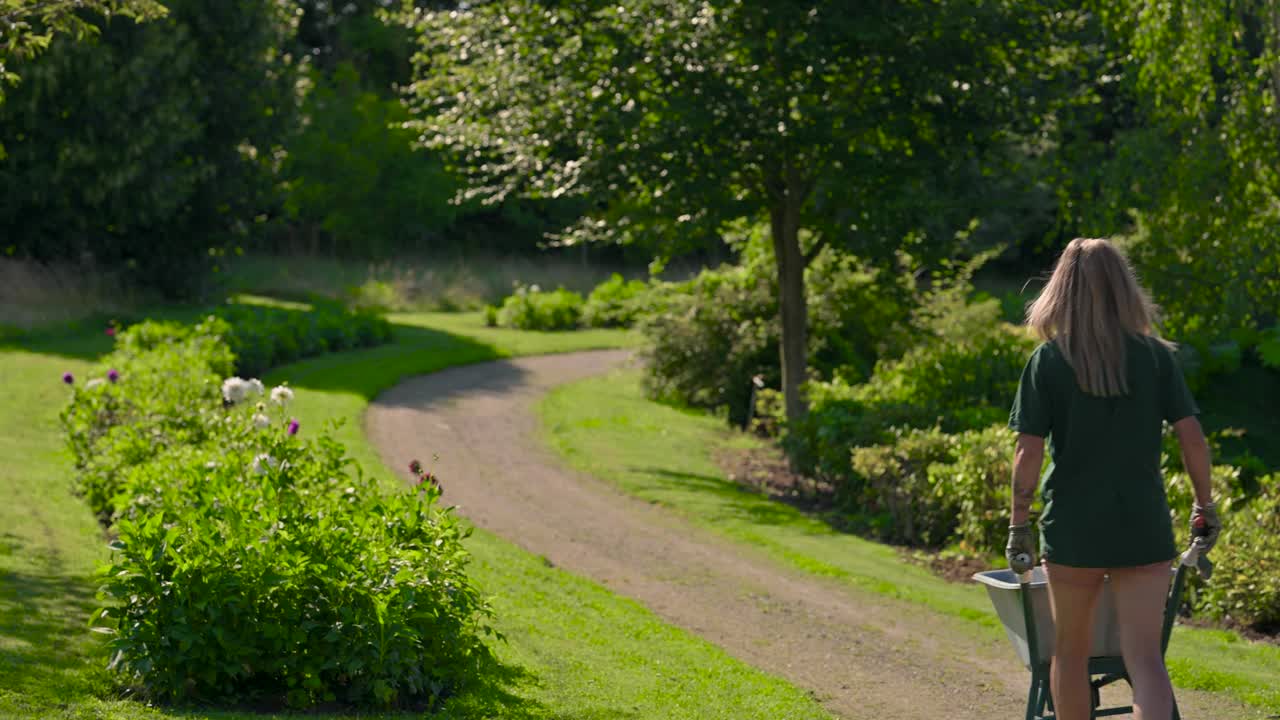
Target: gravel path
<point>862,655</point>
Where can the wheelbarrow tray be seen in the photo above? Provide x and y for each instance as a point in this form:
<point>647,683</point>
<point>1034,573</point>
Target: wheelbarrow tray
<point>1006,596</point>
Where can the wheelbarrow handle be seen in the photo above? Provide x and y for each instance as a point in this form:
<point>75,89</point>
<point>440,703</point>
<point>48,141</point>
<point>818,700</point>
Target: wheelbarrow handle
<point>1194,556</point>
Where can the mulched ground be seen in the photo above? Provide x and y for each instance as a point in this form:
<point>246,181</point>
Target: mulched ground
<point>765,470</point>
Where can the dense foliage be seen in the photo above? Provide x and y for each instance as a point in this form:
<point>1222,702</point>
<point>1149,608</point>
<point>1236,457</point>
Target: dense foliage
<point>250,563</point>
<point>710,336</point>
<point>353,184</point>
<point>931,488</point>
<point>1208,79</point>
<point>531,308</point>
<point>616,302</point>
<point>27,28</point>
<point>962,378</point>
<point>267,336</point>
<point>166,135</point>
<point>862,126</point>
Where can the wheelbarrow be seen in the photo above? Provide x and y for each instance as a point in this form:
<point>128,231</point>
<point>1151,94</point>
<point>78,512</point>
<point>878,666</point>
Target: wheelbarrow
<point>1022,603</point>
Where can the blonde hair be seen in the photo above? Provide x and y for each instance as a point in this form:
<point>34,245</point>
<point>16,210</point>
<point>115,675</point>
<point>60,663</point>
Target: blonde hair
<point>1091,304</point>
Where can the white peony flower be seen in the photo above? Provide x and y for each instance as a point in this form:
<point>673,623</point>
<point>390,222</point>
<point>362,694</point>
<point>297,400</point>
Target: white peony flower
<point>262,463</point>
<point>94,383</point>
<point>281,395</point>
<point>257,386</point>
<point>235,389</point>
<point>261,421</point>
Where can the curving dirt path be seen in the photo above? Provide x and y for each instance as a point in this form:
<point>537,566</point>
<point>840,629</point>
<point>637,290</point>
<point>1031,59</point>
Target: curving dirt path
<point>862,655</point>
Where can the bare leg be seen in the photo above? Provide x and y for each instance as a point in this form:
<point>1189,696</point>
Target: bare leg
<point>1140,597</point>
<point>1073,593</point>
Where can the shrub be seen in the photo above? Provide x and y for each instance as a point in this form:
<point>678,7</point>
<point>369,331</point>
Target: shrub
<point>897,494</point>
<point>962,380</point>
<point>1246,583</point>
<point>978,482</point>
<point>933,489</point>
<point>263,569</point>
<point>251,564</point>
<point>207,339</point>
<point>1244,587</point>
<point>710,336</point>
<point>263,337</point>
<point>530,308</point>
<point>165,395</point>
<point>613,303</point>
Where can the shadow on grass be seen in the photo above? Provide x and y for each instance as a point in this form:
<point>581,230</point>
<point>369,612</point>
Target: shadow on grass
<point>44,633</point>
<point>498,694</point>
<point>740,503</point>
<point>87,339</point>
<point>43,659</point>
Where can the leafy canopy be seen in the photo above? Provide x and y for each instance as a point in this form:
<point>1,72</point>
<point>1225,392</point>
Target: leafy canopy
<point>672,117</point>
<point>28,26</point>
<point>1208,74</point>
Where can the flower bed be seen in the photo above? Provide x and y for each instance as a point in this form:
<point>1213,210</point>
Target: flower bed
<point>253,561</point>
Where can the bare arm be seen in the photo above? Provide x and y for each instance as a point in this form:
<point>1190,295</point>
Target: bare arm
<point>1028,458</point>
<point>1195,457</point>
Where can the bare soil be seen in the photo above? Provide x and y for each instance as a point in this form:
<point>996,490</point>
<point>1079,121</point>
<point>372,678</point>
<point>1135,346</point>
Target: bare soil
<point>861,655</point>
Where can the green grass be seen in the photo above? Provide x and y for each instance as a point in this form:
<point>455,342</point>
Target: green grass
<point>574,650</point>
<point>604,426</point>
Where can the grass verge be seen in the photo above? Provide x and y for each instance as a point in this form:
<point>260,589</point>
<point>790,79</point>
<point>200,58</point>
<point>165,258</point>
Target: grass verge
<point>575,650</point>
<point>605,427</point>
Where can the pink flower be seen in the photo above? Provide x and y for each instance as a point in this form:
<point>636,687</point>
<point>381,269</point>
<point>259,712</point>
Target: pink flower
<point>111,331</point>
<point>293,426</point>
<point>68,378</point>
<point>113,375</point>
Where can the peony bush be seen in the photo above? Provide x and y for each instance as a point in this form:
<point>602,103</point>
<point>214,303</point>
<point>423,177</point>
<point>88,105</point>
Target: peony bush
<point>253,561</point>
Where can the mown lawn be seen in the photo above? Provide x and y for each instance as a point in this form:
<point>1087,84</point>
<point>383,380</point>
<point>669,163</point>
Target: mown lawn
<point>605,427</point>
<point>573,650</point>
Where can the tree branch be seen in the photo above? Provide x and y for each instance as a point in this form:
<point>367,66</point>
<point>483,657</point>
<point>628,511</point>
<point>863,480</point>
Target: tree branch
<point>816,250</point>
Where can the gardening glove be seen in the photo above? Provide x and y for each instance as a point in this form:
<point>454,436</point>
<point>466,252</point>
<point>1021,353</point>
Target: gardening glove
<point>1205,525</point>
<point>1021,550</point>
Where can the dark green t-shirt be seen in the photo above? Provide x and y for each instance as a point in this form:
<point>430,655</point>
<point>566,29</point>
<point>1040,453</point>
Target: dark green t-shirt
<point>1104,497</point>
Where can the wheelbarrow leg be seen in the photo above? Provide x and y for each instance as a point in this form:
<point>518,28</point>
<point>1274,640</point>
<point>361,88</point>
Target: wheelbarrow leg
<point>1033,700</point>
<point>1038,696</point>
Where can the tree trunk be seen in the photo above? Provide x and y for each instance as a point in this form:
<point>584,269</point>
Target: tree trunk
<point>784,217</point>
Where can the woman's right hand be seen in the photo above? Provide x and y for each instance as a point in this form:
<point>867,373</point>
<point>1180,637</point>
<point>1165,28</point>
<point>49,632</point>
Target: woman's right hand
<point>1205,526</point>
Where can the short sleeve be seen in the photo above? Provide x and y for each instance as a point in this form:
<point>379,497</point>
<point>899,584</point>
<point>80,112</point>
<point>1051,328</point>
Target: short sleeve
<point>1030,413</point>
<point>1176,402</point>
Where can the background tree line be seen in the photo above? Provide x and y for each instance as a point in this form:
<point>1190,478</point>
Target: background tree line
<point>905,132</point>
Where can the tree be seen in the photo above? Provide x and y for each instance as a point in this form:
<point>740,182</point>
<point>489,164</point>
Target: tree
<point>353,172</point>
<point>149,146</point>
<point>28,26</point>
<point>1206,76</point>
<point>855,125</point>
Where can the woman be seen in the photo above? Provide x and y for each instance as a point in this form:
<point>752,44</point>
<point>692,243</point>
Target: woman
<point>1099,387</point>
